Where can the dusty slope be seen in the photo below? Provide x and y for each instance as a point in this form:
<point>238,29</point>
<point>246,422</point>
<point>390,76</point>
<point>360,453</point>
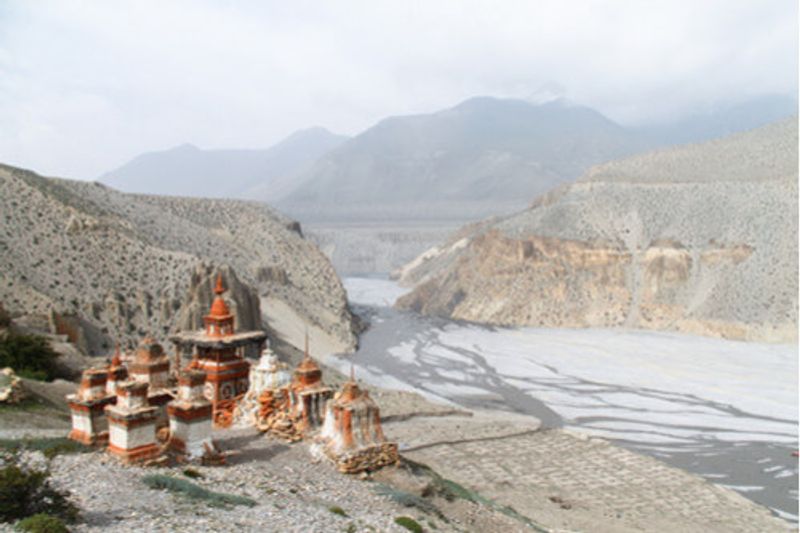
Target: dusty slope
<point>118,266</point>
<point>700,238</point>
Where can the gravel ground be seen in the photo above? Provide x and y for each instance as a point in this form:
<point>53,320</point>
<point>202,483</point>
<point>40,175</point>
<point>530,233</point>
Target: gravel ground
<point>294,493</point>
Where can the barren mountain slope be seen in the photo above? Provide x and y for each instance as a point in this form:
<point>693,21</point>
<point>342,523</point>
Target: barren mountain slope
<point>481,155</point>
<point>700,238</point>
<point>115,266</point>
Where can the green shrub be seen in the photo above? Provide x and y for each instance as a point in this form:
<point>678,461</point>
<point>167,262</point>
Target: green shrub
<point>5,318</point>
<point>24,493</point>
<point>42,523</point>
<point>408,523</point>
<point>189,489</point>
<point>31,356</point>
<point>337,510</point>
<point>192,473</point>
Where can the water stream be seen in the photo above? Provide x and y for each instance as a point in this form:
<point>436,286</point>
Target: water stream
<point>725,410</point>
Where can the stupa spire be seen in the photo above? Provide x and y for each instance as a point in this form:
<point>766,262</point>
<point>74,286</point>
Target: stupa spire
<point>219,320</point>
<point>117,359</point>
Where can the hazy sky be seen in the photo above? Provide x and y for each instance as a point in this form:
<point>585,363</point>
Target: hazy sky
<point>86,85</point>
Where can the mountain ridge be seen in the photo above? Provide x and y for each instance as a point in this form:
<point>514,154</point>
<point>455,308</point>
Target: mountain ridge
<point>186,170</point>
<point>716,256</point>
<point>482,150</point>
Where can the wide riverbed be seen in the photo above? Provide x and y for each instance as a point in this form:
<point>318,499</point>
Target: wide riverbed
<point>725,410</point>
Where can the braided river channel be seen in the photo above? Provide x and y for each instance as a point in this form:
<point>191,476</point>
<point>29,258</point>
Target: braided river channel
<point>725,410</point>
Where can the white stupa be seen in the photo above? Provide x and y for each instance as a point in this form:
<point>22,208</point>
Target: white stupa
<point>270,373</point>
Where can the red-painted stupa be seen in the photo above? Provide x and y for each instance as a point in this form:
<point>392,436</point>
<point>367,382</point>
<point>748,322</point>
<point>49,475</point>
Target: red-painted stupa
<point>218,350</point>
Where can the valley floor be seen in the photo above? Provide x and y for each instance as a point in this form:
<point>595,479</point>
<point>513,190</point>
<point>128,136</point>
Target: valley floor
<point>502,419</point>
<point>724,410</point>
<point>502,472</point>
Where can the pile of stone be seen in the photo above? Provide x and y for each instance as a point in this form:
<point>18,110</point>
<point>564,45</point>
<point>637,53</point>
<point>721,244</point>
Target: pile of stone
<point>281,425</point>
<point>11,390</point>
<point>367,459</point>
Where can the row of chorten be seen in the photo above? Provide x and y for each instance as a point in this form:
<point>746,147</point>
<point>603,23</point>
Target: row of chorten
<point>145,409</point>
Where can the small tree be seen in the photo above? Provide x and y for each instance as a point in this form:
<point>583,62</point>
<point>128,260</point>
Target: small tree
<point>30,356</point>
<point>5,318</point>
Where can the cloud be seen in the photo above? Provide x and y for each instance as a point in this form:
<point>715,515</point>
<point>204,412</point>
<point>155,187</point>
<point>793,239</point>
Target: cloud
<point>86,85</point>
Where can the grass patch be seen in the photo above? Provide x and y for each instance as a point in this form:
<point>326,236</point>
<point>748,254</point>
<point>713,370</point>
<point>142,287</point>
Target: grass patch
<point>338,510</point>
<point>28,404</point>
<point>408,523</point>
<point>49,446</point>
<point>42,523</point>
<point>450,490</point>
<point>408,499</point>
<point>195,492</point>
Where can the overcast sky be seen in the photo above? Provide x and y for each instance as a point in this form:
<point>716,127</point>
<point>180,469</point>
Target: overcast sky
<point>86,85</point>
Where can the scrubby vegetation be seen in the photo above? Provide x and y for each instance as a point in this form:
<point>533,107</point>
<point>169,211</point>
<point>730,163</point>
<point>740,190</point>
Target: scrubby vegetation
<point>31,356</point>
<point>408,499</point>
<point>451,491</point>
<point>25,492</point>
<point>42,523</point>
<point>5,318</point>
<point>408,523</point>
<point>50,447</point>
<point>337,510</point>
<point>189,489</point>
<point>192,473</point>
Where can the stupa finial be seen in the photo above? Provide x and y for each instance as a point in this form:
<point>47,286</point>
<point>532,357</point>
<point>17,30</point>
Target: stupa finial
<point>219,289</point>
<point>117,359</point>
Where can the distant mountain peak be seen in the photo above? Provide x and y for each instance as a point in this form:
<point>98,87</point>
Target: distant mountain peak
<point>548,92</point>
<point>185,147</point>
<point>187,170</point>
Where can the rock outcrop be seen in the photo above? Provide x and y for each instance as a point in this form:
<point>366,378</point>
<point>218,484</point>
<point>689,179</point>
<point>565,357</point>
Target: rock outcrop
<point>100,266</point>
<point>700,238</point>
<point>244,301</point>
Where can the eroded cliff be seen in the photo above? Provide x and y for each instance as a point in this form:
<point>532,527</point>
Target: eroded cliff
<point>111,267</point>
<point>700,239</point>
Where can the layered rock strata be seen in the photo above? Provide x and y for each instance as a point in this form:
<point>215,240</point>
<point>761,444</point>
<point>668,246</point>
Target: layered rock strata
<point>699,239</point>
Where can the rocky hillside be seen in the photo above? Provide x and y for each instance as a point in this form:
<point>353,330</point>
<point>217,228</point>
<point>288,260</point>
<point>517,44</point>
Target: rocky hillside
<point>104,266</point>
<point>700,238</point>
<point>251,174</point>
